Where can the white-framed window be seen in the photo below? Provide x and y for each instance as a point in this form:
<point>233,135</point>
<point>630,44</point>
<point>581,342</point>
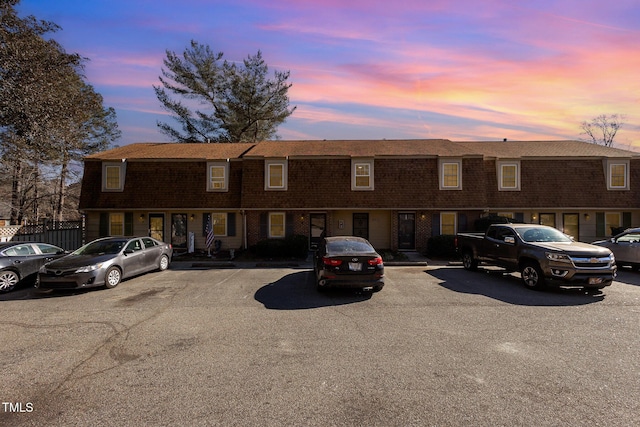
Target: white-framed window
<point>116,224</point>
<point>219,220</point>
<point>448,222</point>
<point>509,175</point>
<point>113,176</point>
<point>217,176</point>
<point>618,175</point>
<point>612,220</point>
<point>450,174</point>
<point>276,225</point>
<point>362,174</point>
<point>275,175</point>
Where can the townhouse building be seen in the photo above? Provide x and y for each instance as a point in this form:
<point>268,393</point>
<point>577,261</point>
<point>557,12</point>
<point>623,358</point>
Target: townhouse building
<point>396,193</point>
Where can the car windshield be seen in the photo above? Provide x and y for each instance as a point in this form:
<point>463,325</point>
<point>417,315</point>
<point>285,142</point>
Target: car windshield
<point>348,246</point>
<point>102,247</point>
<point>542,234</point>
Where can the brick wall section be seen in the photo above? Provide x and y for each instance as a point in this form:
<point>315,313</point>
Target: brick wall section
<point>323,184</point>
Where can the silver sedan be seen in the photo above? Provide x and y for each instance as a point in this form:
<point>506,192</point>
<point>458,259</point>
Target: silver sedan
<point>625,247</point>
<point>19,260</point>
<point>105,262</point>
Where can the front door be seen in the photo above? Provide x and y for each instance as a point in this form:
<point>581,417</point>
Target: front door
<point>318,224</point>
<point>179,231</point>
<point>156,226</point>
<point>361,225</point>
<point>407,231</point>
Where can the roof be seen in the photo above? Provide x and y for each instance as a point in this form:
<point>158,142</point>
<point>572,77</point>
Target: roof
<point>362,148</point>
<point>435,148</point>
<point>515,149</point>
<point>173,151</point>
<point>357,148</point>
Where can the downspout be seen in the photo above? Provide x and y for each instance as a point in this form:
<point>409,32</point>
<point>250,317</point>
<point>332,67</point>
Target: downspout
<point>244,229</point>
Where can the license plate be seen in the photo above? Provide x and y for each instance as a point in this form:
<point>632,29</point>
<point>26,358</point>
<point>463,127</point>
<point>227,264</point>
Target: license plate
<point>355,266</point>
<point>595,280</point>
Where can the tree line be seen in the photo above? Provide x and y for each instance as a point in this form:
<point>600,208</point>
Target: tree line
<point>50,117</point>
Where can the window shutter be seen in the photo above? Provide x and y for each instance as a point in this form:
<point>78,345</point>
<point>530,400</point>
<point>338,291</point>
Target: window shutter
<point>600,231</point>
<point>128,223</point>
<point>626,219</point>
<point>288,224</point>
<point>264,225</point>
<point>435,225</point>
<point>104,224</point>
<point>462,222</point>
<point>231,224</point>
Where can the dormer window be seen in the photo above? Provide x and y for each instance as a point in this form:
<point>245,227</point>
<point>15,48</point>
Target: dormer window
<point>509,175</point>
<point>617,174</point>
<point>275,175</point>
<point>218,176</point>
<point>113,176</point>
<point>450,174</point>
<point>362,174</point>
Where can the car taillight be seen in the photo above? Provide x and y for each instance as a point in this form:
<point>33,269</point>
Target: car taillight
<point>375,261</point>
<point>331,261</point>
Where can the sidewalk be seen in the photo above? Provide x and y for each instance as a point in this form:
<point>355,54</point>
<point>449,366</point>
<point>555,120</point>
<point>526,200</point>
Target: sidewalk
<point>414,259</point>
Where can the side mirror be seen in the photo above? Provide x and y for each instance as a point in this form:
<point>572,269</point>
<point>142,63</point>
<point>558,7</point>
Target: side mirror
<point>510,239</point>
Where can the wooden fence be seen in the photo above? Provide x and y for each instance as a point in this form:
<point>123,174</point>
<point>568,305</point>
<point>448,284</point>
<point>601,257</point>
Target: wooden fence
<point>68,235</point>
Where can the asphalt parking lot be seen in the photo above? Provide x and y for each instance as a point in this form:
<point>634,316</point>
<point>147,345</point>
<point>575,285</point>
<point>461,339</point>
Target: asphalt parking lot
<point>260,347</point>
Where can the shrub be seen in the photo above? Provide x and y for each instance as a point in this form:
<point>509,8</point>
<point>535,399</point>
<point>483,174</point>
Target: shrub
<point>442,246</point>
<point>294,246</point>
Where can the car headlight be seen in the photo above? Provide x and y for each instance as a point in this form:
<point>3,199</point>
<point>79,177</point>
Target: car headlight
<point>553,256</point>
<point>89,268</point>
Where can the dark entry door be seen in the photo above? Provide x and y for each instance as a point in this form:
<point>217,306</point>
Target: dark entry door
<point>318,224</point>
<point>406,231</point>
<point>361,225</point>
<point>179,231</point>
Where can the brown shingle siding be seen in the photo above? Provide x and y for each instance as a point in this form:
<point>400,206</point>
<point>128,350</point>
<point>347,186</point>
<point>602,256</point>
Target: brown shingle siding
<point>160,185</point>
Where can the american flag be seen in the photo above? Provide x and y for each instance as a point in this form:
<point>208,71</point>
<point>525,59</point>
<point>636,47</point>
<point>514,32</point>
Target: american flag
<point>210,235</point>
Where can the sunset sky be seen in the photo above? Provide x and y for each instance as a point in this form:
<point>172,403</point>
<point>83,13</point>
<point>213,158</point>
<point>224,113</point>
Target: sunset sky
<point>369,69</point>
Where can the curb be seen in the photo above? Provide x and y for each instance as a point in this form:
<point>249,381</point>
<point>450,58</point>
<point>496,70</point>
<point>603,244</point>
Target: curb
<point>201,265</point>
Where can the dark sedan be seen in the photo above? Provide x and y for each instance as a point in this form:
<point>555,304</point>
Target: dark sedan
<point>19,260</point>
<point>625,247</point>
<point>105,262</point>
<point>350,262</point>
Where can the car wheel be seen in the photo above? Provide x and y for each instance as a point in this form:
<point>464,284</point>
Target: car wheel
<point>377,288</point>
<point>468,262</point>
<point>8,280</point>
<point>112,278</point>
<point>532,276</point>
<point>164,263</point>
<point>321,285</point>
